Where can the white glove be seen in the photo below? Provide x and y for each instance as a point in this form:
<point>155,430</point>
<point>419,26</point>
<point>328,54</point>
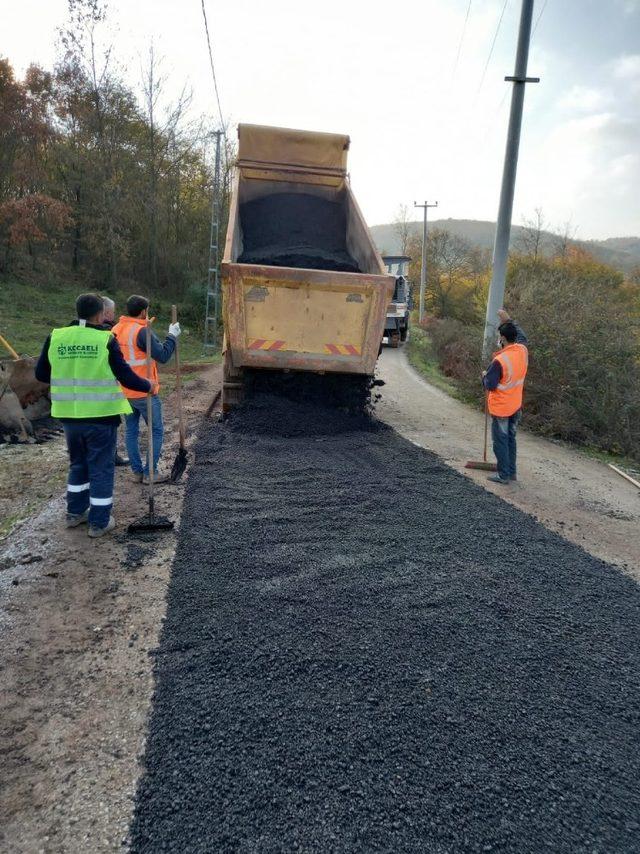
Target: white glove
<point>174,330</point>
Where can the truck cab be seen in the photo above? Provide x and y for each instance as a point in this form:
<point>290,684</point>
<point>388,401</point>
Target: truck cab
<point>396,326</point>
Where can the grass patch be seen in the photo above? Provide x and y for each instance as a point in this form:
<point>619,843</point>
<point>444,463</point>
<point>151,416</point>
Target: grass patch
<point>422,357</point>
<point>28,313</point>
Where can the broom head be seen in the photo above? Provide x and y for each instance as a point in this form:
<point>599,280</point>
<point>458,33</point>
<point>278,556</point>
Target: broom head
<point>149,524</point>
<point>481,464</point>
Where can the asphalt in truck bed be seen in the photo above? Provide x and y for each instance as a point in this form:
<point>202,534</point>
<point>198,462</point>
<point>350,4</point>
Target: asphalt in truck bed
<point>364,651</point>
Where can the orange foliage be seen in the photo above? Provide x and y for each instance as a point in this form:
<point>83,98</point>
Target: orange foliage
<point>34,218</point>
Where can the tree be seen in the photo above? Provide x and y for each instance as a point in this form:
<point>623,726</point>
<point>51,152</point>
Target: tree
<point>563,238</point>
<point>31,220</point>
<point>402,228</point>
<point>530,239</point>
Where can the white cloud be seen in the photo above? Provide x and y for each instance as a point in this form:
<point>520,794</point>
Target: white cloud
<point>583,99</point>
<point>627,67</point>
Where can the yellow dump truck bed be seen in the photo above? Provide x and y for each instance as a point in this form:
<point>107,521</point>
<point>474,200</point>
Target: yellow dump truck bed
<point>295,317</point>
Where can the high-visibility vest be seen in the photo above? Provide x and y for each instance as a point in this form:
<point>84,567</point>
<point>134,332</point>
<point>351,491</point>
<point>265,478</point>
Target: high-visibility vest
<point>126,331</point>
<point>506,399</point>
<point>82,382</point>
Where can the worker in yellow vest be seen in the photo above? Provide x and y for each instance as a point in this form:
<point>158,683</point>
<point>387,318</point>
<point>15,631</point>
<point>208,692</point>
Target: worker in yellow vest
<point>131,332</point>
<point>85,369</point>
<point>504,382</point>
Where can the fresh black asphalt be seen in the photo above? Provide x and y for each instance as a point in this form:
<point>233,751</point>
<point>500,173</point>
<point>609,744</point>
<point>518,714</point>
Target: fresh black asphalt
<point>364,651</point>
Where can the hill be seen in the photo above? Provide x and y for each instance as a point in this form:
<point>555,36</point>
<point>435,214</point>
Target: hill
<point>623,253</point>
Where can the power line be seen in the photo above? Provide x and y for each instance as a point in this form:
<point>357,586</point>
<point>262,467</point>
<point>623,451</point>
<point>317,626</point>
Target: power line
<point>535,26</point>
<point>493,44</point>
<point>213,70</point>
<point>464,29</point>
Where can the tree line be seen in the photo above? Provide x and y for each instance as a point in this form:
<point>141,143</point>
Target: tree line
<point>99,180</point>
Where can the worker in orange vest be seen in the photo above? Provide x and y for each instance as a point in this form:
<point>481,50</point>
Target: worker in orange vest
<point>504,382</point>
<point>131,334</point>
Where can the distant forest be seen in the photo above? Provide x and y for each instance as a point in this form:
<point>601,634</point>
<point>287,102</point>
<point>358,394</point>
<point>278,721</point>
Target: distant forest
<point>99,182</point>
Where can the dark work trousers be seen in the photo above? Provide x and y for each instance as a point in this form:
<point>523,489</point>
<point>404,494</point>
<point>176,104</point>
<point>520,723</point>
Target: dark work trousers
<point>503,433</point>
<point>91,448</point>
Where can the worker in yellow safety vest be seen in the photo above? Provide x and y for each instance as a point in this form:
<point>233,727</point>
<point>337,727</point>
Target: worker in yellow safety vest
<point>85,369</point>
<point>504,383</point>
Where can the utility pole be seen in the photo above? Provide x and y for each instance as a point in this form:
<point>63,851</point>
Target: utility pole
<point>423,266</point>
<point>505,211</point>
<point>213,281</point>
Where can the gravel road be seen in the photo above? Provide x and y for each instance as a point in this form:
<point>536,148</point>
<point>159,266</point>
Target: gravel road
<point>366,651</point>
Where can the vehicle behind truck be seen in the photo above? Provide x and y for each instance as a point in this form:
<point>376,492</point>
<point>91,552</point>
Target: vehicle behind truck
<point>304,288</point>
<point>396,328</point>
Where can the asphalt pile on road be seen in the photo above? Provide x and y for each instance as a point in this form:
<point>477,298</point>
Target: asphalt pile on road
<point>364,651</point>
<point>296,230</point>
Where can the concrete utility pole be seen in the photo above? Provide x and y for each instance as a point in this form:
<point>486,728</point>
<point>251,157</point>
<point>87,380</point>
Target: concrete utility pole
<point>423,267</point>
<point>503,226</point>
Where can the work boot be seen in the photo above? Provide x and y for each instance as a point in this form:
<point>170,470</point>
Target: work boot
<point>159,477</point>
<point>136,476</point>
<point>121,461</point>
<point>100,532</point>
<point>495,478</point>
<point>75,519</point>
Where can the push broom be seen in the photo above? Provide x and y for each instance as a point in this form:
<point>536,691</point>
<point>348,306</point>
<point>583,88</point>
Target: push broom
<point>150,523</point>
<point>484,464</point>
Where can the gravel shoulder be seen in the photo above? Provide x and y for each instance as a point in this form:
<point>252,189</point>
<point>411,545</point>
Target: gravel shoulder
<point>79,620</point>
<point>569,492</point>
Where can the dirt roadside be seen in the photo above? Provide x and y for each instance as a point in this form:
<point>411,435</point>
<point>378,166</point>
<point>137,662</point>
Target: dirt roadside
<point>79,620</point>
<point>567,491</point>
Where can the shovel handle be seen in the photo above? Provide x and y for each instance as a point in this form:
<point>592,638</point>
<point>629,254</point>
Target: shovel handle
<point>486,425</point>
<point>9,347</point>
<point>174,319</point>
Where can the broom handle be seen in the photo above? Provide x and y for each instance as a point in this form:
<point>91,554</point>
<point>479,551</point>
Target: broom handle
<point>174,319</point>
<point>150,422</point>
<point>486,425</point>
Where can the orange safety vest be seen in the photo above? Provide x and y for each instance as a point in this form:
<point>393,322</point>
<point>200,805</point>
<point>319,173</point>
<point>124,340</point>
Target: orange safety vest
<point>126,331</point>
<point>506,399</point>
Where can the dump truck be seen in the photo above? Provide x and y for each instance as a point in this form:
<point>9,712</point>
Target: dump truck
<point>303,286</point>
<point>396,328</point>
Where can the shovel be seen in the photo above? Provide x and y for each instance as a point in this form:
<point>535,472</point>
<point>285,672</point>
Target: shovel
<point>483,465</point>
<point>180,462</point>
<point>151,522</point>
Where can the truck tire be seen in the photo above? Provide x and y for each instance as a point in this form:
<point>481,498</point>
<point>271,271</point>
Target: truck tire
<point>232,383</point>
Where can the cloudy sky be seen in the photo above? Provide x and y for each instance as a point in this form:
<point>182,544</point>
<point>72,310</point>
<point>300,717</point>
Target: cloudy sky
<point>422,125</point>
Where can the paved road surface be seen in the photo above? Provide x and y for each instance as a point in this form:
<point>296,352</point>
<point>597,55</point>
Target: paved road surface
<point>571,493</point>
<point>364,651</point>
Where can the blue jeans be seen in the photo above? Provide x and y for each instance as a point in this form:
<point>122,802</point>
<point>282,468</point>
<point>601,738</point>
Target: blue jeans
<point>91,465</point>
<point>503,433</point>
<point>132,432</point>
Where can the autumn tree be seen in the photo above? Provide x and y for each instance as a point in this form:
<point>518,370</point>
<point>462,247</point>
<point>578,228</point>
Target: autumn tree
<point>531,237</point>
<point>402,227</point>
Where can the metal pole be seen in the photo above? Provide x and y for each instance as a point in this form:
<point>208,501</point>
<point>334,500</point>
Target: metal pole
<point>218,207</point>
<point>505,211</point>
<point>213,291</point>
<point>423,267</point>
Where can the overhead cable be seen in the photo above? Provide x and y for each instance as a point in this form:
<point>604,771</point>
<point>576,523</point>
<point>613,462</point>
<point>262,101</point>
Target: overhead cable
<point>493,44</point>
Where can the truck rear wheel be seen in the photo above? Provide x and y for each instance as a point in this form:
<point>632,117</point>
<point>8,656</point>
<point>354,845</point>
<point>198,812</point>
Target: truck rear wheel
<point>232,383</point>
